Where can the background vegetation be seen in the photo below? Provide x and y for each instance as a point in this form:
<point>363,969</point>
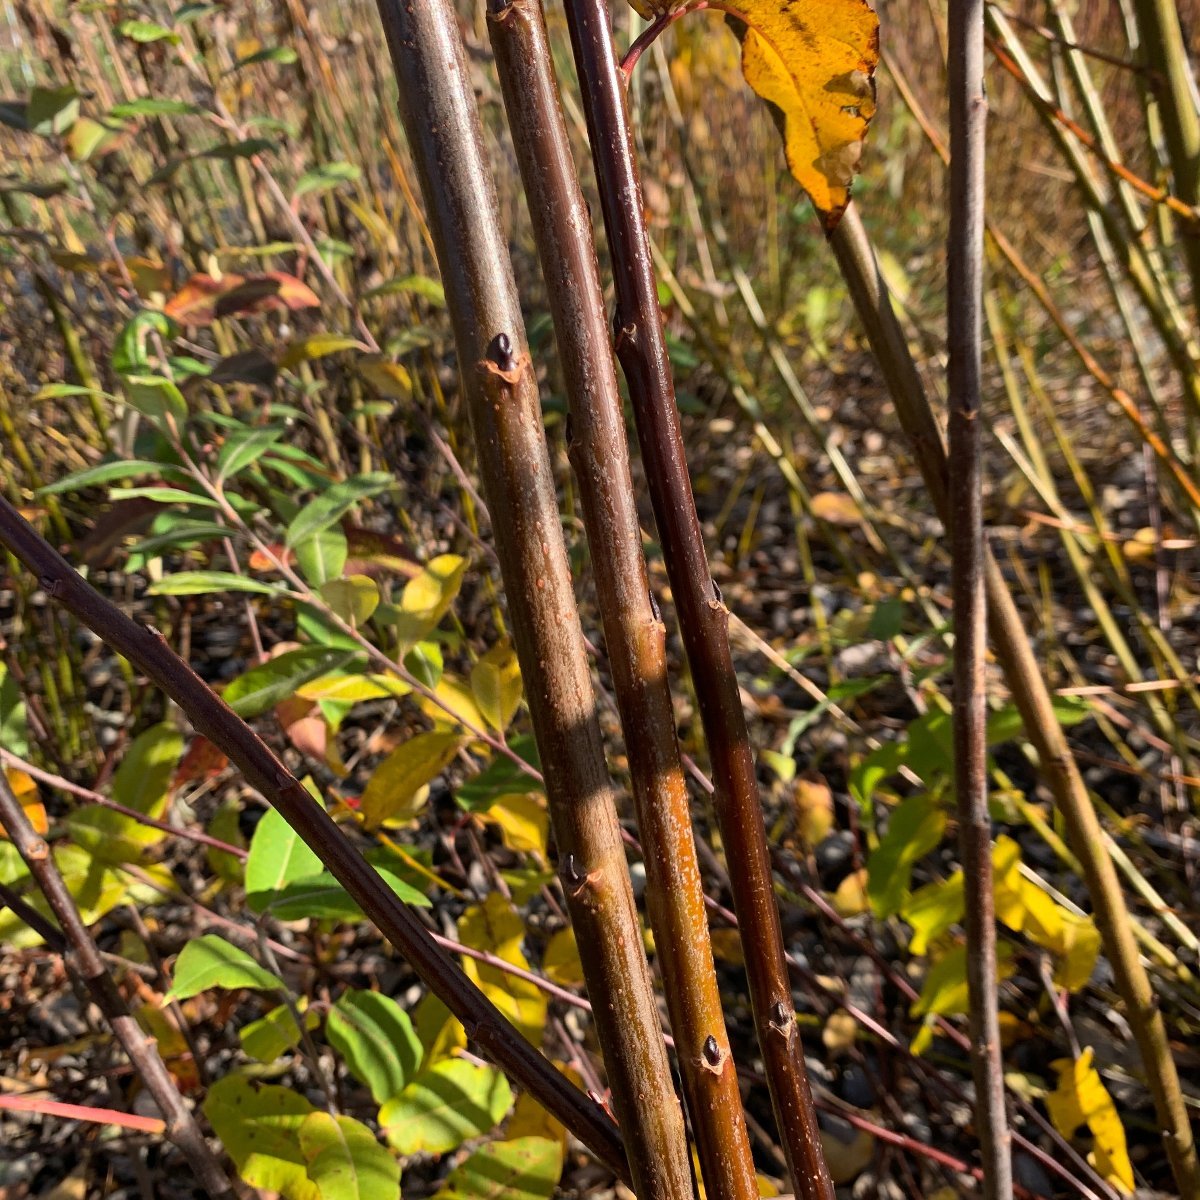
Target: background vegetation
<point>226,191</point>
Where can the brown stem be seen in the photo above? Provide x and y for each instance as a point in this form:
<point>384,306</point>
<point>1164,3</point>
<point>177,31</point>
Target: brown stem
<point>964,292</point>
<point>147,650</point>
<point>76,941</point>
<point>1032,698</point>
<point>703,618</point>
<point>634,633</point>
<point>439,113</point>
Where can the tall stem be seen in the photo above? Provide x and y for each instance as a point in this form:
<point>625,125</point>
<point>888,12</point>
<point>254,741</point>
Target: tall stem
<point>703,618</point>
<point>1164,52</point>
<point>148,651</point>
<point>634,634</point>
<point>143,1052</point>
<point>1011,644</point>
<point>964,306</point>
<point>438,110</point>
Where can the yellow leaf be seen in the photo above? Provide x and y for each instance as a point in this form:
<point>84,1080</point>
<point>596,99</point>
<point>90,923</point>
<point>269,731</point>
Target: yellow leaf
<point>351,689</point>
<point>26,792</point>
<point>389,379</point>
<point>813,802</point>
<point>455,705</point>
<point>1025,908</point>
<point>397,789</point>
<point>727,946</point>
<point>439,1032</point>
<point>840,1031</point>
<point>814,61</point>
<point>1081,1099</point>
<point>317,346</point>
<point>523,821</point>
<point>850,899</point>
<point>560,963</point>
<point>353,599</point>
<point>496,685</point>
<point>496,926</point>
<point>530,1119</point>
<point>836,508</point>
<point>427,597</point>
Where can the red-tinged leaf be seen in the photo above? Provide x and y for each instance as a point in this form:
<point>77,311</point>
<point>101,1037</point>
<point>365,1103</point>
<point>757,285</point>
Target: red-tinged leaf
<point>204,299</point>
<point>201,761</point>
<point>301,720</point>
<point>196,302</point>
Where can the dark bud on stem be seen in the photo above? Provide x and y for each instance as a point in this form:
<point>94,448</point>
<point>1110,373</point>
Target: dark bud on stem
<point>571,873</point>
<point>779,1014</point>
<point>712,1052</point>
<point>500,351</point>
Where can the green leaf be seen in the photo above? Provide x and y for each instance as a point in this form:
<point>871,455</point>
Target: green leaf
<point>61,391</point>
<point>246,148</point>
<point>129,352</point>
<point>208,583</point>
<point>323,556</point>
<point>327,176</point>
<point>146,31</point>
<point>353,599</point>
<point>345,1161</point>
<point>944,991</point>
<point>915,828</point>
<point>272,1036</point>
<point>1006,724</point>
<point>443,1107</point>
<point>14,730</point>
<point>153,106</point>
<point>277,857</point>
<point>933,910</point>
<point>211,962</point>
<point>270,683</point>
<point>376,1040</point>
<point>52,110</point>
<point>284,55</point>
<point>525,1168</point>
<point>320,897</point>
<point>111,836</point>
<point>419,285</point>
<point>260,1128</point>
<point>143,780</point>
<point>330,506</point>
<point>164,495</point>
<point>156,397</point>
<point>245,447</point>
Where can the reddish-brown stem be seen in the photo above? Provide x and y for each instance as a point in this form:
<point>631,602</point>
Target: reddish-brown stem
<point>635,636</point>
<point>964,306</point>
<point>703,618</point>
